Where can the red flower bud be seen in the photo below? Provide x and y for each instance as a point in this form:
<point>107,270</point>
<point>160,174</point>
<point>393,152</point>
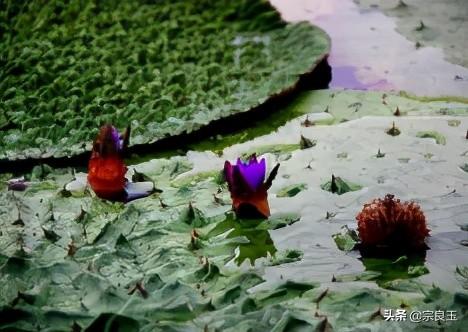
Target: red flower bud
<point>106,168</point>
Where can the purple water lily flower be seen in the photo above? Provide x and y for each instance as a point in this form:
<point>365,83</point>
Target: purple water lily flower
<point>252,172</point>
<point>110,142</point>
<point>246,182</point>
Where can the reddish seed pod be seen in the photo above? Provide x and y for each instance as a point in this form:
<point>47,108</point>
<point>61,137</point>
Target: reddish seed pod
<point>390,222</point>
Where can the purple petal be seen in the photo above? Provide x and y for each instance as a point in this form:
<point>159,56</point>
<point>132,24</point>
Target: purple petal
<point>253,173</point>
<point>109,141</point>
<point>135,190</point>
<point>116,139</point>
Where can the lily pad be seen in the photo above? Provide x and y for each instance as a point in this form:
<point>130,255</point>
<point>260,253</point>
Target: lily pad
<point>339,186</point>
<point>403,267</point>
<point>306,143</point>
<point>57,91</point>
<point>284,257</point>
<point>393,131</point>
<point>347,239</point>
<point>152,266</point>
<point>249,237</point>
<point>462,275</point>
<point>439,138</point>
<point>277,149</point>
<point>380,154</point>
<point>292,190</point>
<point>453,123</point>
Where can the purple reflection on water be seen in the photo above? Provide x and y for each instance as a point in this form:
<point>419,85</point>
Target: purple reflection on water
<point>368,53</point>
<point>345,76</point>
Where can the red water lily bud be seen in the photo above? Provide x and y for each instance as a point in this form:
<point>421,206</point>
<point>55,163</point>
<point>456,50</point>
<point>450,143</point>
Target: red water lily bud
<point>390,222</point>
<point>246,182</point>
<point>106,168</point>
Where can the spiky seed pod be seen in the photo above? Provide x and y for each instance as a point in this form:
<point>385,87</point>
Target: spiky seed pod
<point>390,222</point>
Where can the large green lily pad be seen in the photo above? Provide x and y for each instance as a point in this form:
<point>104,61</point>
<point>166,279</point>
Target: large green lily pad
<point>169,262</point>
<point>165,68</point>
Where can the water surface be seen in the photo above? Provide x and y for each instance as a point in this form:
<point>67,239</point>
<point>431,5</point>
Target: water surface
<point>368,52</point>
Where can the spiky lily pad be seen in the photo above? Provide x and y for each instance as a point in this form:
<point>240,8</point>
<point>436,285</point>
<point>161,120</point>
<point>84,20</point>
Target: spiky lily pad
<point>64,73</point>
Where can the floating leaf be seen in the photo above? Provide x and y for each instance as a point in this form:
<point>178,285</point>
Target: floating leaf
<point>284,257</point>
<point>380,154</point>
<point>77,187</point>
<point>453,123</point>
<point>339,186</point>
<point>393,131</point>
<point>439,138</point>
<point>362,276</point>
<point>462,275</point>
<point>342,155</point>
<point>277,149</point>
<point>307,122</point>
<point>71,86</point>
<point>307,143</point>
<point>140,177</point>
<point>418,270</point>
<point>403,267</point>
<point>50,235</point>
<point>281,220</point>
<point>292,190</point>
<point>346,240</point>
<point>421,26</point>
